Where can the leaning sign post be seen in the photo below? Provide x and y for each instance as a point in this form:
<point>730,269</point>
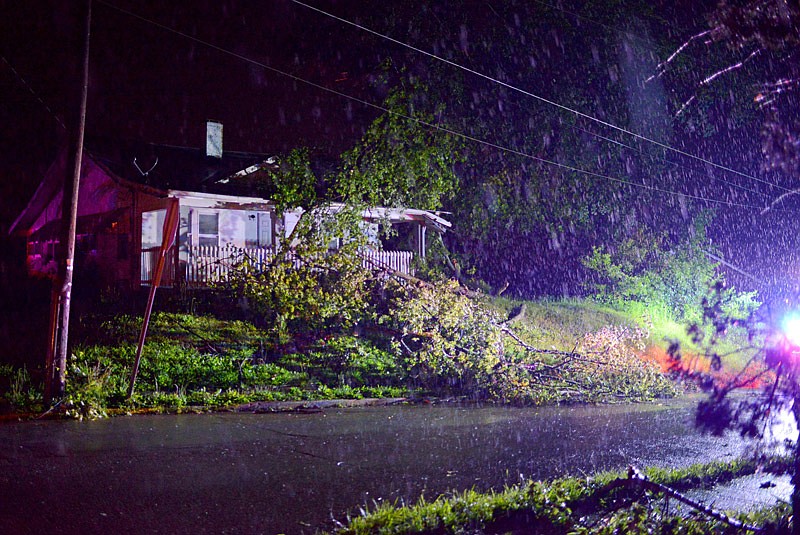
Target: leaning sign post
<point>169,231</point>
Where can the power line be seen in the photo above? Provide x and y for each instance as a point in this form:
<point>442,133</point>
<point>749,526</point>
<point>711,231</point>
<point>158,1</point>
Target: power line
<point>612,141</point>
<point>427,124</point>
<point>662,159</point>
<point>665,160</point>
<point>734,268</point>
<point>34,93</point>
<point>534,95</point>
<point>650,45</point>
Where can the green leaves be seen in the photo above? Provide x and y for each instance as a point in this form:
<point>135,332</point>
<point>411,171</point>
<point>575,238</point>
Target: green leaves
<point>650,269</point>
<point>401,160</point>
<point>307,287</point>
<point>445,335</point>
<point>294,182</point>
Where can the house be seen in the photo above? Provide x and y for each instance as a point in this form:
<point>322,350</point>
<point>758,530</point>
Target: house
<point>124,197</point>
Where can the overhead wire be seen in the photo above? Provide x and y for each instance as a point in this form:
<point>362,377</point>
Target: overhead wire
<point>428,124</point>
<point>36,95</point>
<point>735,268</point>
<point>535,96</point>
<point>668,161</point>
<point>650,45</point>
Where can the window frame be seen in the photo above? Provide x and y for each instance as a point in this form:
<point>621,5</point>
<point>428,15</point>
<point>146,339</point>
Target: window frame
<point>198,237</point>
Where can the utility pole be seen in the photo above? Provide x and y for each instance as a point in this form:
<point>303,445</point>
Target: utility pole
<point>56,365</point>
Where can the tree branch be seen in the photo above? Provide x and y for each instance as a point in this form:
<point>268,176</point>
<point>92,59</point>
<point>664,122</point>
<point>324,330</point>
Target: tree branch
<point>780,198</point>
<point>661,68</point>
<point>717,74</point>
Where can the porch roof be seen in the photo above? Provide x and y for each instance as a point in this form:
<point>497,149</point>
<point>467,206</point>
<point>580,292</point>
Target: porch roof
<point>216,200</point>
<point>404,215</point>
<point>376,214</point>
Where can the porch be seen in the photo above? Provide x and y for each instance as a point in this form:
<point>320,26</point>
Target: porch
<point>201,266</point>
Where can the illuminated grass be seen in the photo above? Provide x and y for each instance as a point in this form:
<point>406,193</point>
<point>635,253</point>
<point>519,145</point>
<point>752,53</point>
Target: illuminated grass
<point>561,324</point>
<point>568,505</point>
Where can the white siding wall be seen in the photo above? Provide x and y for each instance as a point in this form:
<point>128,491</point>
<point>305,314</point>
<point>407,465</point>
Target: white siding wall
<point>232,227</point>
<point>236,228</point>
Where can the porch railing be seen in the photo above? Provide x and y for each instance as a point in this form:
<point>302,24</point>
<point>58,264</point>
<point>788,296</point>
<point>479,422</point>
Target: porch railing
<point>148,266</point>
<point>394,260</point>
<point>208,264</point>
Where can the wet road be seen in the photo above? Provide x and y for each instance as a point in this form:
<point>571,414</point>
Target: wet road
<point>293,473</point>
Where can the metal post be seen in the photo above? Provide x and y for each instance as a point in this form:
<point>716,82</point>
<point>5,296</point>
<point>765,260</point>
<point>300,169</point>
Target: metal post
<point>169,232</point>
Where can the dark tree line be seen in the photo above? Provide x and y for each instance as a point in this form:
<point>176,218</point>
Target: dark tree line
<point>540,184</point>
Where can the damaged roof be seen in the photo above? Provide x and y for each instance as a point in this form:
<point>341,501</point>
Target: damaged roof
<point>168,167</point>
<point>184,171</point>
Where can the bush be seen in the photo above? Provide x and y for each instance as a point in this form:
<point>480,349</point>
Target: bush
<point>436,338</point>
<point>653,270</point>
<point>17,389</point>
<point>447,340</point>
<point>306,288</point>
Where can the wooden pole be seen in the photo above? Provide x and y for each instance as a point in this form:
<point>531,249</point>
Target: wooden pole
<point>59,334</point>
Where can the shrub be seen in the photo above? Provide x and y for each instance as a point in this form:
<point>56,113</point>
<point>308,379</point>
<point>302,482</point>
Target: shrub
<point>306,288</point>
<point>651,269</point>
<point>446,339</point>
<point>17,388</point>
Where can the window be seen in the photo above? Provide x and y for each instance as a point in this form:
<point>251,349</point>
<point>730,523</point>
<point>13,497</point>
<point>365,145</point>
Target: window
<point>152,228</point>
<point>258,229</point>
<point>208,229</point>
<point>204,227</point>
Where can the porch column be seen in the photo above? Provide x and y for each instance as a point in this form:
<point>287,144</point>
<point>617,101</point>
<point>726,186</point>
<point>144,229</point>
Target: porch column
<point>421,245</point>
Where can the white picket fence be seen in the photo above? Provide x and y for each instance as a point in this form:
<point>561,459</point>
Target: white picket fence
<point>210,264</point>
<point>393,260</point>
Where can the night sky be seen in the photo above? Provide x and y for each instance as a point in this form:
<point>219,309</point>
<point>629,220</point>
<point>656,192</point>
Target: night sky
<point>152,84</point>
<point>158,86</point>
